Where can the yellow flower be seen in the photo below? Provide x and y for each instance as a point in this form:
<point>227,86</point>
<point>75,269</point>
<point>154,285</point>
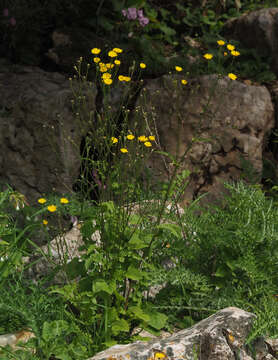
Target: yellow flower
<point>178,68</point>
<point>230,47</point>
<point>52,208</point>
<point>121,78</point>
<point>152,138</point>
<point>142,65</point>
<point>184,82</point>
<point>225,53</point>
<point>112,53</point>
<point>130,137</point>
<point>123,150</point>
<point>107,81</point>
<point>103,69</point>
<point>235,53</point>
<point>117,50</point>
<point>114,140</point>
<point>117,62</point>
<point>42,200</point>
<point>142,138</point>
<point>96,60</point>
<point>232,76</point>
<point>147,143</point>
<point>208,56</point>
<point>127,78</point>
<point>101,64</point>
<point>64,201</point>
<point>45,222</point>
<point>109,66</point>
<point>221,42</point>
<point>106,76</point>
<point>95,51</point>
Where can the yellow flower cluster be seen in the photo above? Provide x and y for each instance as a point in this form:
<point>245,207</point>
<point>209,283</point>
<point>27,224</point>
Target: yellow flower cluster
<point>144,139</point>
<point>52,208</point>
<point>105,67</point>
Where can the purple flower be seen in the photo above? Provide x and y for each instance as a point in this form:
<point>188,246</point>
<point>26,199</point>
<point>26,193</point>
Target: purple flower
<point>6,12</point>
<point>140,14</point>
<point>12,21</point>
<point>131,13</point>
<point>124,12</point>
<point>144,21</point>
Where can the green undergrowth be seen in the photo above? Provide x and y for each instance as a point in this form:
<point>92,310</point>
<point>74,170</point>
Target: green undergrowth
<point>225,256</point>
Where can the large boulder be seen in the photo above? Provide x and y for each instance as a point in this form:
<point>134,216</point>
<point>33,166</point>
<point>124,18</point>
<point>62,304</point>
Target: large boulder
<point>234,117</point>
<point>257,30</point>
<point>221,336</point>
<point>39,135</point>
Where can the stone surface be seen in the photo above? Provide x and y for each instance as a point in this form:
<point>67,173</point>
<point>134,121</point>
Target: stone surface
<point>236,124</point>
<point>39,136</point>
<point>219,337</point>
<point>258,30</point>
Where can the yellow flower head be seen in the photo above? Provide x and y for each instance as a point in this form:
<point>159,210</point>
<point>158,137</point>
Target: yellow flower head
<point>151,137</point>
<point>106,75</point>
<point>42,200</point>
<point>225,53</point>
<point>96,59</point>
<point>221,42</point>
<point>117,62</point>
<point>178,68</point>
<point>142,65</point>
<point>64,201</point>
<point>112,54</point>
<point>45,222</point>
<point>130,137</point>
<point>127,78</point>
<point>230,47</point>
<point>117,50</point>
<point>52,208</point>
<point>123,150</point>
<point>208,56</point>
<point>103,69</point>
<point>107,81</point>
<point>142,138</point>
<point>232,76</point>
<point>109,66</point>
<point>235,53</point>
<point>147,143</point>
<point>95,51</point>
<point>121,78</point>
<point>114,140</point>
<point>184,82</point>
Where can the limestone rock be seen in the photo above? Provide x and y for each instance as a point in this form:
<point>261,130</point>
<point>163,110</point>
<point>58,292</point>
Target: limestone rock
<point>39,135</point>
<point>258,30</point>
<point>221,336</point>
<point>235,124</point>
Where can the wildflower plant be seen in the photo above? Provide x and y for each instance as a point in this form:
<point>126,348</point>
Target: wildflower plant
<point>130,243</point>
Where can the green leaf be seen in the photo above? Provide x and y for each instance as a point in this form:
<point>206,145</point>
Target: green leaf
<point>157,320</point>
<point>134,273</point>
<point>101,285</point>
<point>135,242</point>
<point>167,30</point>
<point>120,325</point>
<point>53,329</point>
<point>173,228</point>
<point>139,313</point>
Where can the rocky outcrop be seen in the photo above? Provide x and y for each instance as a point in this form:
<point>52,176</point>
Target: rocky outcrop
<point>221,336</point>
<point>258,30</point>
<point>39,136</point>
<point>233,118</point>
